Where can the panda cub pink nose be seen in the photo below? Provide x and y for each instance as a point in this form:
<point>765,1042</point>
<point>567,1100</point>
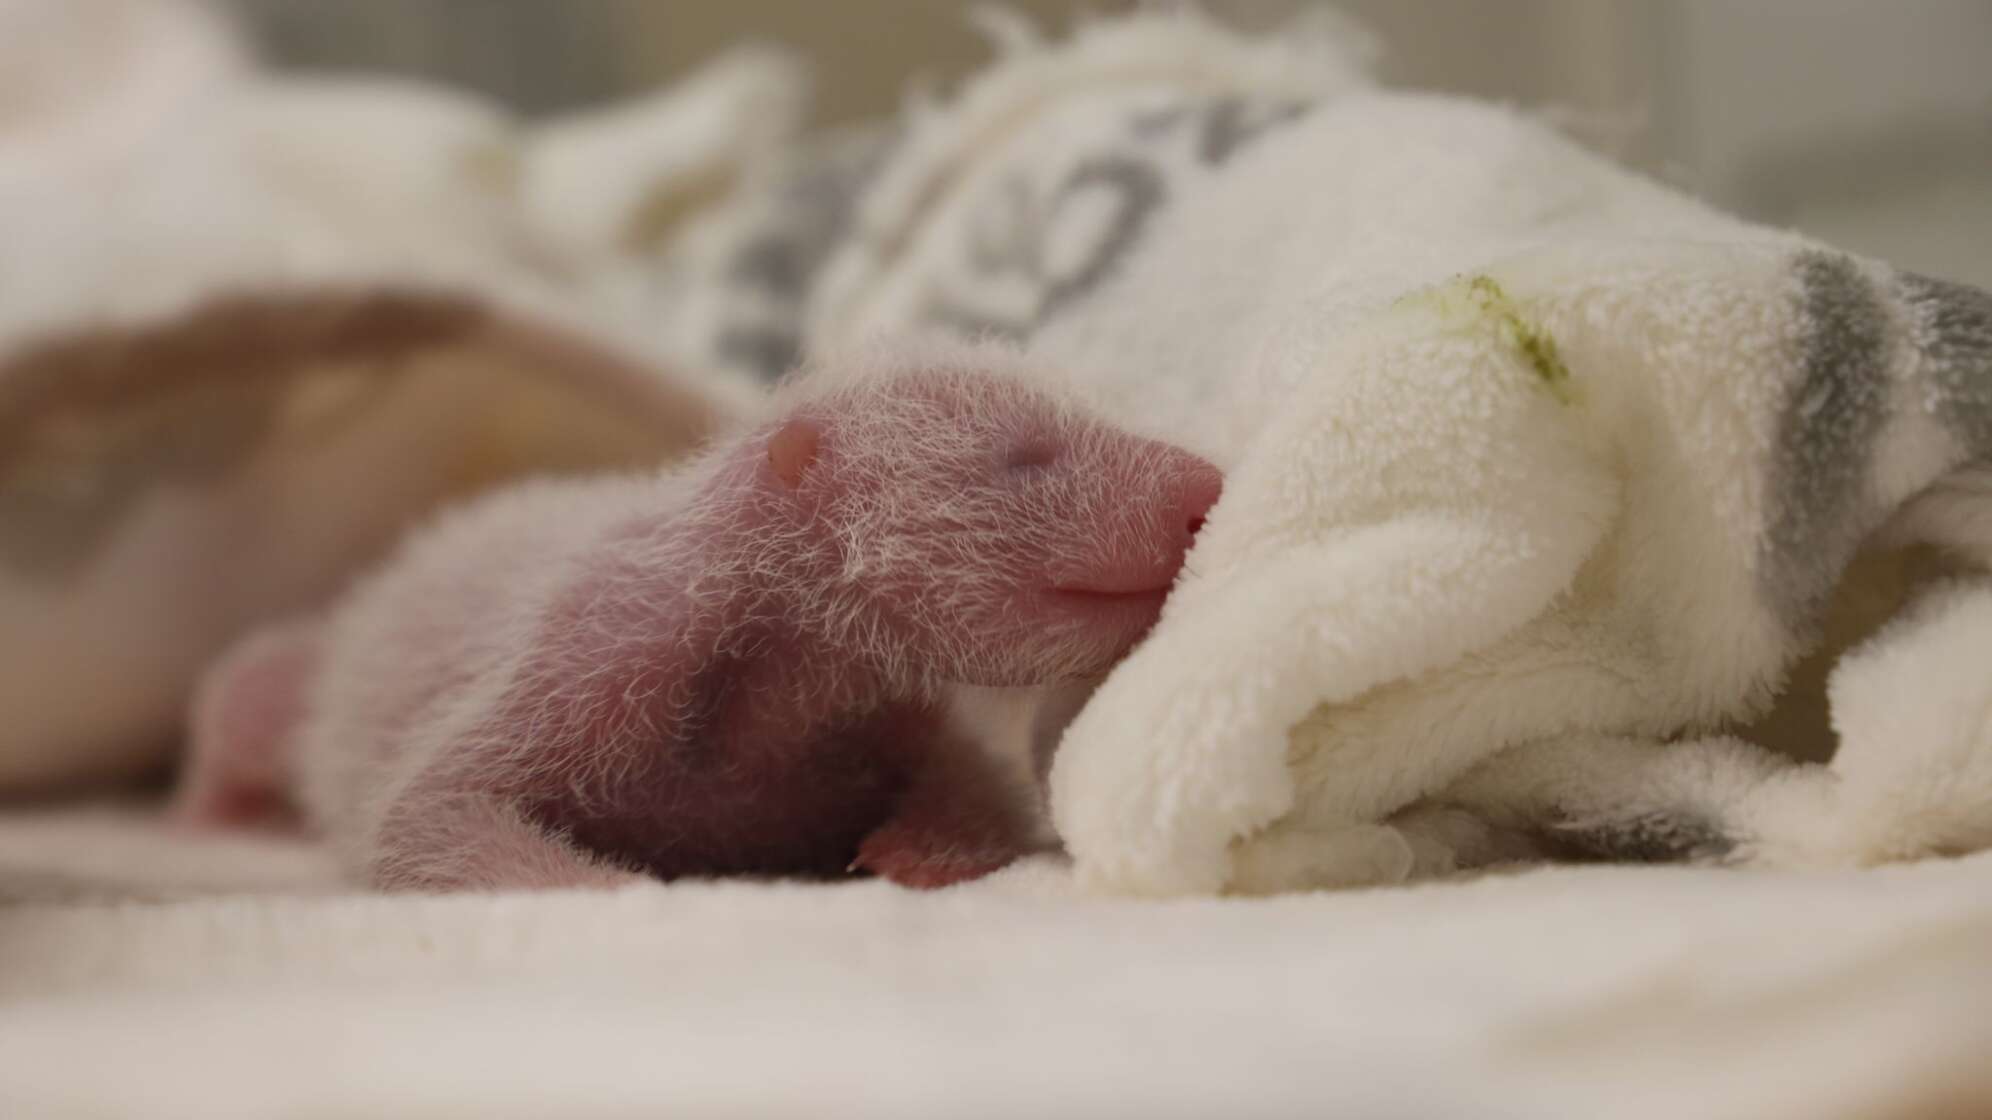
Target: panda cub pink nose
<point>1200,492</point>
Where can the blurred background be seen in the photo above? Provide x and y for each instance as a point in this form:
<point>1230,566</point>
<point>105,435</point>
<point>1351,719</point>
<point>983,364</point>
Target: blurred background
<point>1867,124</point>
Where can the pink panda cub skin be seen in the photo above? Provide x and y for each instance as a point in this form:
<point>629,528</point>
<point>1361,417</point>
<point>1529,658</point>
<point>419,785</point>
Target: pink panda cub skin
<point>734,669</point>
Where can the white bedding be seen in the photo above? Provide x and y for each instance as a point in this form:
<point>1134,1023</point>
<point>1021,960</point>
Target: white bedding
<point>127,988</point>
<point>150,973</point>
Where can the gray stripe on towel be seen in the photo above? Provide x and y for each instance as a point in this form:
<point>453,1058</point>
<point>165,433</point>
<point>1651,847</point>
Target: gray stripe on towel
<point>1645,838</point>
<point>1826,437</point>
<point>1956,336</point>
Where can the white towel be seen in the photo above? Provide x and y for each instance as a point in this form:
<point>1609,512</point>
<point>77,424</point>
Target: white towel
<point>1532,463</point>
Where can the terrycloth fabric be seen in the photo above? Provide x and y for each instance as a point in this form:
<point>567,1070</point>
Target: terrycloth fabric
<point>1567,992</point>
<point>1532,463</point>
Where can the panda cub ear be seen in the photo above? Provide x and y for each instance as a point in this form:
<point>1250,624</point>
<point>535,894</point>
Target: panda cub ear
<point>792,451</point>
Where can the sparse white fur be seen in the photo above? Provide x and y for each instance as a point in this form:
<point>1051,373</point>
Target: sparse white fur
<point>408,728</point>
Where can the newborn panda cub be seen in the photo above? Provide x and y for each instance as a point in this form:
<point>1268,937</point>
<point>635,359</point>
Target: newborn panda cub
<point>736,668</point>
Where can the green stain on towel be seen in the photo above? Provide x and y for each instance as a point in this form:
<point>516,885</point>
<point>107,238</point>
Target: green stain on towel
<point>1535,344</point>
<point>1479,299</point>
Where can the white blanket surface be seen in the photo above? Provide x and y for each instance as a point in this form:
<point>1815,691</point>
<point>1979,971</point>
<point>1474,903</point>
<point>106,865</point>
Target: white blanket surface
<point>135,988</point>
